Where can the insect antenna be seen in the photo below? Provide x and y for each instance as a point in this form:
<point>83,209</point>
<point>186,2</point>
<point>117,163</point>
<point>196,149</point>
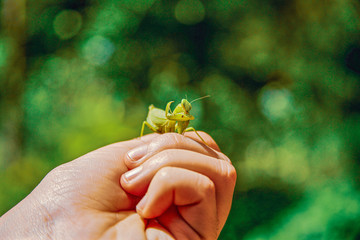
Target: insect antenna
<point>199,98</point>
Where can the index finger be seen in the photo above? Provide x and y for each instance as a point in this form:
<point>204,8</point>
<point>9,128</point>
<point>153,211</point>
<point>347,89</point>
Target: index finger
<point>139,155</point>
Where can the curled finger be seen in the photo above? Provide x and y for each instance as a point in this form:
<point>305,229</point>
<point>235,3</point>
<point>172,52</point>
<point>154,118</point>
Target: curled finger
<point>193,195</point>
<point>222,174</point>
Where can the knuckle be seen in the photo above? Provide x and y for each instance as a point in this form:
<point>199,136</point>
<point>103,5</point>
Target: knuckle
<point>164,173</point>
<point>166,140</point>
<point>232,174</point>
<point>166,155</point>
<point>57,171</point>
<point>207,186</point>
<point>227,172</point>
<point>224,157</point>
<point>162,159</point>
<point>174,138</point>
<point>164,176</point>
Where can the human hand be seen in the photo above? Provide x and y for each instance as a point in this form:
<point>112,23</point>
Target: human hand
<point>82,199</point>
<point>186,187</point>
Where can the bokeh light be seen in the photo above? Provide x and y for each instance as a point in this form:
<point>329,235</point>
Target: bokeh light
<point>97,50</point>
<point>276,103</point>
<point>67,24</point>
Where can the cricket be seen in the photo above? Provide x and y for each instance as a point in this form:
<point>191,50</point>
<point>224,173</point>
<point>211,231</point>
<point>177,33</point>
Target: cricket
<point>161,121</point>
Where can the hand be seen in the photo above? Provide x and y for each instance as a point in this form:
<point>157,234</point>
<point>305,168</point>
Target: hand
<point>83,199</point>
<point>188,186</point>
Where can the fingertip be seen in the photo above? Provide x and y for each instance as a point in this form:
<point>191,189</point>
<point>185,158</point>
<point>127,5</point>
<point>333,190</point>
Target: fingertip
<point>146,208</point>
<point>133,157</point>
<point>140,207</point>
<point>132,181</point>
<point>123,182</point>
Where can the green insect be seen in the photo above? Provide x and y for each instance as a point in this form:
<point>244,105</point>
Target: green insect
<point>161,121</point>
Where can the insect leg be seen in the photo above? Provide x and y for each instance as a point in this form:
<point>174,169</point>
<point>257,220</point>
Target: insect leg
<point>149,126</point>
<point>193,129</point>
<point>168,109</point>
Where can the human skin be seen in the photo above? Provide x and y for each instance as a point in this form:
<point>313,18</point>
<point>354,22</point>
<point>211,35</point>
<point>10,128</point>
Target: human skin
<point>185,188</point>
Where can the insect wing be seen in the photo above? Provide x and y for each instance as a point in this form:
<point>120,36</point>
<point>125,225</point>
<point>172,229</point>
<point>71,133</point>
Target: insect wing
<point>156,117</point>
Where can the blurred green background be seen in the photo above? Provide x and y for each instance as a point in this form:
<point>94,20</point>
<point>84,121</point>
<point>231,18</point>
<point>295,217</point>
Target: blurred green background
<point>283,76</point>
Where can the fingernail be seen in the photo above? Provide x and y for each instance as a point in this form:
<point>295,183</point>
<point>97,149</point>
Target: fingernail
<point>137,153</point>
<point>141,205</point>
<point>130,175</point>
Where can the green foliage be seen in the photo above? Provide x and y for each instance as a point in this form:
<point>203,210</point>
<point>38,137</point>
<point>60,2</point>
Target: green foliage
<point>284,83</point>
